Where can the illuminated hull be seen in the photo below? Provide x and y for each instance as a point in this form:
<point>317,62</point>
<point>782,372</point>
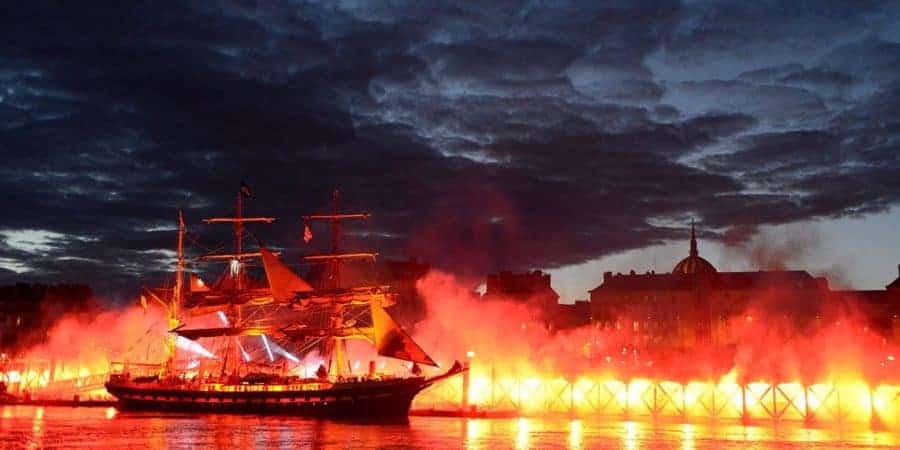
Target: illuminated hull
<point>364,399</point>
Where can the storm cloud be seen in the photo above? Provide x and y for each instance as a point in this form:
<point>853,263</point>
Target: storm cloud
<point>481,135</point>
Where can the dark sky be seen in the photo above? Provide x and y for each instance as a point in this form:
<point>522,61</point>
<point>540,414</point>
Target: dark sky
<point>480,134</point>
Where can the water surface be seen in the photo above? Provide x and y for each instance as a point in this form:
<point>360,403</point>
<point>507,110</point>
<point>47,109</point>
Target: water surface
<point>58,427</point>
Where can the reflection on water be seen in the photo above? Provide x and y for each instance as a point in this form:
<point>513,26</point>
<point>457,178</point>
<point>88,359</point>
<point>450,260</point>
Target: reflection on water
<point>29,427</point>
<point>575,437</point>
<point>475,431</point>
<point>37,429</point>
<point>687,437</point>
<point>630,436</point>
<point>522,434</point>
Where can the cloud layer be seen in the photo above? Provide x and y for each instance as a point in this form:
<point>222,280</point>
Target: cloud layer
<point>515,134</point>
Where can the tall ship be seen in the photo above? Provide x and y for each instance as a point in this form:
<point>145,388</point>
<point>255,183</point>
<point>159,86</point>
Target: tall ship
<point>278,346</point>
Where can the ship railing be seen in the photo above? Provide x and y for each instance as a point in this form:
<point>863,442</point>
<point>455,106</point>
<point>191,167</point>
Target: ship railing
<point>130,370</point>
<point>218,387</point>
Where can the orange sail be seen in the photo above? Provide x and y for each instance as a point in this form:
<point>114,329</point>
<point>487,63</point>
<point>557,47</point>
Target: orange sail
<point>283,282</point>
<point>393,342</point>
<point>197,284</point>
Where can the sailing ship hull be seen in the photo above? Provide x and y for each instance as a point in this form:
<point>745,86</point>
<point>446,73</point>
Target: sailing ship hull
<point>367,399</point>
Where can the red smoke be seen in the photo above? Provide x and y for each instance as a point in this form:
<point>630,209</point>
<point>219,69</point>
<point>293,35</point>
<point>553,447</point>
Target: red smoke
<point>776,338</point>
<point>103,335</point>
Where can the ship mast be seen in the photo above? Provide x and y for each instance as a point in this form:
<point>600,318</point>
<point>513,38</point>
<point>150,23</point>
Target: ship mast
<point>238,221</point>
<point>334,260</point>
<point>236,264</point>
<point>175,300</point>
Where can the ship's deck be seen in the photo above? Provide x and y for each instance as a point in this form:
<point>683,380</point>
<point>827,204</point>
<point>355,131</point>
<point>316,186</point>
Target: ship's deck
<point>305,384</point>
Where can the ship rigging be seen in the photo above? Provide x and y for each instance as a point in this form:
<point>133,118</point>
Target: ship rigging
<point>287,318</point>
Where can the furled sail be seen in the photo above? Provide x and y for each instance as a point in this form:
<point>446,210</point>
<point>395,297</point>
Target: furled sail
<point>393,342</point>
<point>341,297</point>
<point>197,333</point>
<point>283,282</point>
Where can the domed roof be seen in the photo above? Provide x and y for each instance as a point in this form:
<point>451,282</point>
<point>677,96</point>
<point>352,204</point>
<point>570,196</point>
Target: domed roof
<point>694,264</point>
<point>896,283</point>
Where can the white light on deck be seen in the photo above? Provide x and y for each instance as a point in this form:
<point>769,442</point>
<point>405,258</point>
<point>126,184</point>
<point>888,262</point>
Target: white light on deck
<point>223,317</point>
<point>268,349</point>
<point>244,353</point>
<point>188,345</point>
<point>277,349</point>
<point>289,356</point>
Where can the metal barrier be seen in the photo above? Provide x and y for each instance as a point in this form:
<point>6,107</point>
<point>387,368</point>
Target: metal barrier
<point>838,401</point>
<point>43,379</point>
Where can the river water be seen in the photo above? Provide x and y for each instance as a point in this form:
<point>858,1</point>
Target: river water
<point>59,427</point>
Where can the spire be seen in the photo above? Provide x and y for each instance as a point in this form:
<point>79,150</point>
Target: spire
<point>694,264</point>
<point>694,251</point>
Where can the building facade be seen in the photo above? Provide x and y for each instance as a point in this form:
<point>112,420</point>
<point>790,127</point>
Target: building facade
<point>695,304</point>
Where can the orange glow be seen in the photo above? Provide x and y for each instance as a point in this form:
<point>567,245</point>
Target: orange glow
<point>631,436</point>
<point>576,435</point>
<point>770,370</point>
<point>886,402</point>
<point>523,369</point>
<point>845,401</point>
<point>75,359</point>
<point>523,433</point>
<point>687,437</point>
<point>475,430</point>
<point>37,429</point>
